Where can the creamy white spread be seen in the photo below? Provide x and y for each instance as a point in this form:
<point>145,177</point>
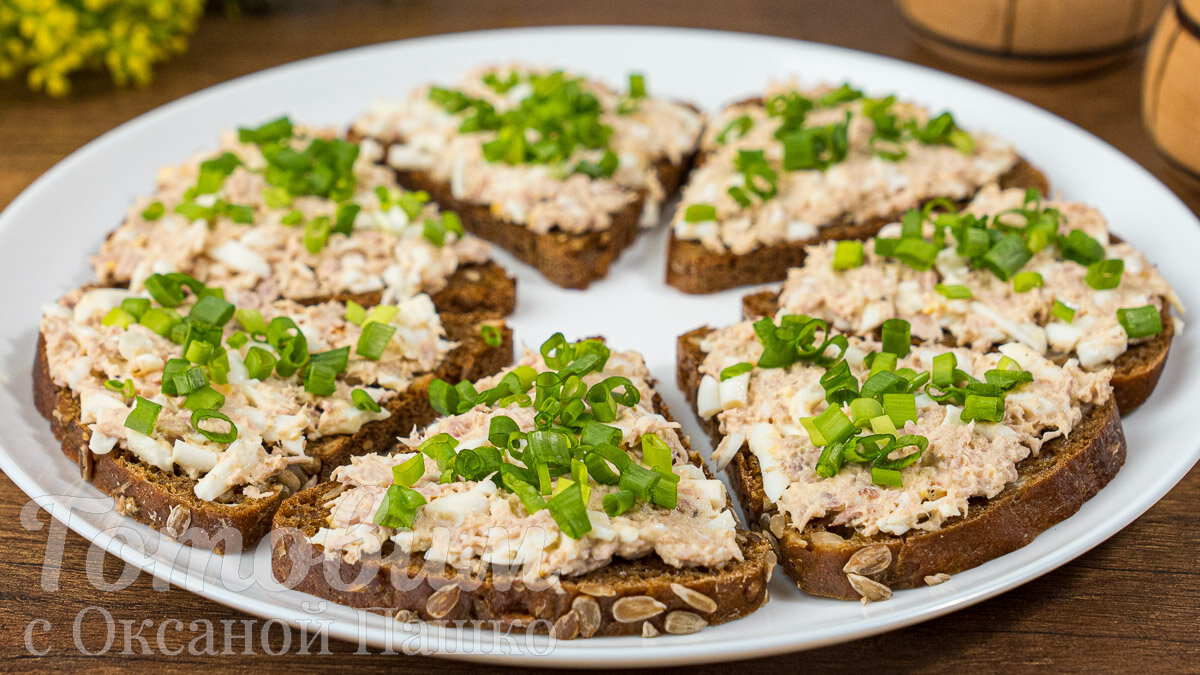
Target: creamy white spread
<point>963,460</point>
<point>863,187</point>
<point>256,263</point>
<point>423,136</point>
<point>859,300</point>
<point>276,418</point>
<point>466,524</point>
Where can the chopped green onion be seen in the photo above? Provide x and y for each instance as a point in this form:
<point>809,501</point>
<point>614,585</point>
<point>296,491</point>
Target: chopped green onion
<point>399,507</point>
<point>344,219</point>
<point>1078,246</point>
<point>862,410</point>
<point>491,335</point>
<point>740,125</point>
<point>1007,255</point>
<point>320,380</point>
<point>848,255</point>
<point>618,503</point>
<point>883,425</point>
<point>831,460</point>
<point>117,317</point>
<point>198,352</point>
<point>238,339</point>
<point>204,397</point>
<point>942,373</point>
<point>983,408</point>
<point>637,85</point>
<point>364,401</point>
<point>374,340</point>
<point>355,313</point>
<point>569,511</point>
<point>292,218</point>
<point>191,379</point>
<point>916,253</point>
<point>1140,322</point>
<point>252,321</point>
<point>1026,281</point>
<point>900,408</point>
<point>897,337</point>
<point>954,291</point>
<point>656,454</point>
<point>1063,312</point>
<point>888,477</point>
<point>160,320</point>
<point>316,233</point>
<point>212,311</point>
<point>882,362</point>
<point>381,314</point>
<point>154,211</point>
<point>698,213</point>
<point>408,472</point>
<point>273,131</point>
<point>1105,274</point>
<point>639,480</point>
<point>143,416</point>
<point>833,425</point>
<point>259,363</point>
<point>735,370</point>
<point>124,388</point>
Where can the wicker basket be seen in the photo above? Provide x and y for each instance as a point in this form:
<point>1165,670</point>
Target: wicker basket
<point>1171,86</point>
<point>1032,38</point>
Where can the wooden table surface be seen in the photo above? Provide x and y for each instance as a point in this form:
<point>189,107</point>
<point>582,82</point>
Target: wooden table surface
<point>1133,602</point>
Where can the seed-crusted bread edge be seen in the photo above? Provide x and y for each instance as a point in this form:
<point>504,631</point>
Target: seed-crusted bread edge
<point>1135,373</point>
<point>694,268</point>
<point>586,606</point>
<point>1049,488</point>
<point>166,501</point>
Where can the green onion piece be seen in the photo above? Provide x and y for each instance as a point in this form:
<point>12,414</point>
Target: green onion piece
<point>862,410</point>
<point>618,503</point>
<point>275,130</point>
<point>316,233</point>
<point>1140,322</point>
<point>203,414</point>
<point>888,477</point>
<point>814,434</point>
<point>739,195</point>
<point>124,388</point>
<point>882,362</point>
<point>154,211</point>
<point>740,126</point>
<point>238,339</point>
<point>160,320</point>
<point>1024,282</point>
<point>883,382</point>
<point>833,425</point>
<point>983,408</point>
<point>399,507</point>
<point>191,379</point>
<point>344,220</point>
<point>364,401</point>
<point>491,335</point>
<point>735,370</point>
<point>954,291</point>
<point>355,313</point>
<point>897,337</point>
<point>900,408</point>
<point>259,363</point>
<point>570,512</point>
<point>218,366</point>
<point>164,291</point>
<point>143,416</point>
<point>848,255</point>
<point>1062,311</point>
<point>640,481</point>
<point>443,397</point>
<point>530,499</point>
<point>408,472</point>
<point>135,307</point>
<point>600,470</point>
<point>319,380</point>
<point>117,317</point>
<point>501,429</point>
<point>198,352</point>
<point>440,448</point>
<point>252,321</point>
<point>943,370</point>
<point>212,311</point>
<point>381,314</point>
<point>276,198</point>
<point>637,85</point>
<point>1078,246</point>
<point>883,425</point>
<point>655,453</point>
<point>374,340</point>
<point>172,369</point>
<point>1007,255</point>
<point>204,397</point>
<point>831,460</point>
<point>292,218</point>
<point>1105,274</point>
<point>698,213</point>
<point>840,385</point>
<point>1007,379</point>
<point>916,253</point>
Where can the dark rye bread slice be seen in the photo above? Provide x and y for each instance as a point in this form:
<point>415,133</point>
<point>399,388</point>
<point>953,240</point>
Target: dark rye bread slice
<point>1135,373</point>
<point>694,268</point>
<point>165,501</point>
<point>581,607</point>
<point>482,288</point>
<point>1049,488</point>
<point>568,260</point>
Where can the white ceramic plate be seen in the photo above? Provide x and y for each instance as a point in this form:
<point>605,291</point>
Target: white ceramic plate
<point>47,233</point>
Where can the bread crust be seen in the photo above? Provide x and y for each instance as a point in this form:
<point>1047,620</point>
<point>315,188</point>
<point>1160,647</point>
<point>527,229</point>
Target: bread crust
<point>166,502</point>
<point>694,268</point>
<point>392,586</point>
<point>565,259</point>
<point>1049,488</point>
<point>1135,373</point>
<point>475,288</point>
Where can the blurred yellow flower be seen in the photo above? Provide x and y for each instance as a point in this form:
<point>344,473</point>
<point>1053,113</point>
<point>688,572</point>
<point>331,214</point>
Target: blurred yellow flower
<point>47,40</point>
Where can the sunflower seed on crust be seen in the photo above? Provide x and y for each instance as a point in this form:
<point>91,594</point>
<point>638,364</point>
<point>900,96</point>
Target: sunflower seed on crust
<point>648,630</point>
<point>566,627</point>
<point>597,590</point>
<point>935,579</point>
<point>680,622</point>
<point>407,616</point>
<point>770,560</point>
<point>636,608</point>
<point>442,601</point>
<point>776,525</point>
<point>869,560</point>
<point>589,614</point>
<point>178,521</point>
<point>695,599</point>
<point>869,589</point>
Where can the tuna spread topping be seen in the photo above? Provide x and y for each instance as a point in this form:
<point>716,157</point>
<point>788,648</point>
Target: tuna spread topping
<point>230,398</point>
<point>778,169</point>
<point>294,212</point>
<point>553,469</point>
<point>545,149</point>
<point>879,437</point>
<point>1046,275</point>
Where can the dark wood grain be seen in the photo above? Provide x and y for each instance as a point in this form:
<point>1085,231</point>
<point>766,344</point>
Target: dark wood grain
<point>1132,603</point>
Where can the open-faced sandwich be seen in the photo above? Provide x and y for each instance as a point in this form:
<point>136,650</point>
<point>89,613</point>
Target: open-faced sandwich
<point>878,465</point>
<point>558,496</point>
<point>800,166</point>
<point>559,169</point>
<point>287,211</point>
<point>199,417</point>
<point>1008,268</point>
